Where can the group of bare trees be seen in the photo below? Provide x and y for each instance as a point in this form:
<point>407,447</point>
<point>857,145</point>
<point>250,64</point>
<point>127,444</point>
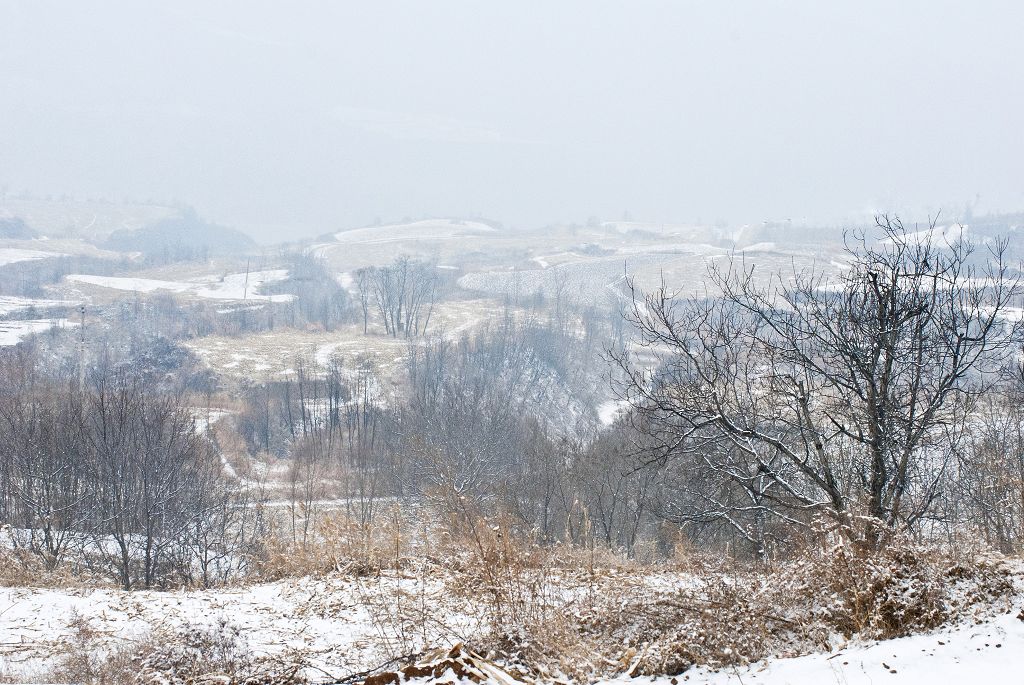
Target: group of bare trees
<point>403,294</point>
<point>115,478</point>
<point>985,495</point>
<point>491,425</point>
<point>318,298</point>
<point>781,398</point>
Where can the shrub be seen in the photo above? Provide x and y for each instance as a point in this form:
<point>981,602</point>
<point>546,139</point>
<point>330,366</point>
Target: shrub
<point>338,545</point>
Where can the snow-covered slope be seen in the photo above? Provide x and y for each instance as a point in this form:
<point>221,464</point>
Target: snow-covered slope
<point>430,229</point>
<point>989,652</point>
<point>239,286</point>
<point>10,255</point>
<point>332,622</point>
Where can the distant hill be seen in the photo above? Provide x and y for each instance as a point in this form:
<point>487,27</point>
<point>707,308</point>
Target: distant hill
<point>92,220</point>
<point>181,237</point>
<point>15,228</point>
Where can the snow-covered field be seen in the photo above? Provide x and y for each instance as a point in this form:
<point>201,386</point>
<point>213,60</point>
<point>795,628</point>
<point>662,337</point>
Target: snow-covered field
<point>10,304</point>
<point>36,624</point>
<point>437,240</point>
<point>13,332</point>
<point>592,273</point>
<point>581,279</point>
<point>272,354</point>
<point>10,255</point>
<point>238,286</point>
<point>416,232</point>
<point>939,236</point>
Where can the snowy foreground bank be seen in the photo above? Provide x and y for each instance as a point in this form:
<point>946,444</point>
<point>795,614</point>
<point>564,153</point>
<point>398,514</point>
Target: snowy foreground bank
<point>337,630</point>
<point>989,653</point>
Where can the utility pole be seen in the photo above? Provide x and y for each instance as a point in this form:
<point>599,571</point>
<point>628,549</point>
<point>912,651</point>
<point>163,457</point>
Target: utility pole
<point>81,348</point>
<point>245,286</point>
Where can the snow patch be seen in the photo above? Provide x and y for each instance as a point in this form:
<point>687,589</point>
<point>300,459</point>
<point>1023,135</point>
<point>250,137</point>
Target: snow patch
<point>431,229</point>
<point>13,332</point>
<point>239,286</point>
<point>608,412</point>
<point>10,255</point>
<point>939,236</point>
<point>10,304</point>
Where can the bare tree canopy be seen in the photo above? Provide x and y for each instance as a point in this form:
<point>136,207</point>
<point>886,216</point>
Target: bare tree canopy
<point>805,394</point>
<point>404,293</point>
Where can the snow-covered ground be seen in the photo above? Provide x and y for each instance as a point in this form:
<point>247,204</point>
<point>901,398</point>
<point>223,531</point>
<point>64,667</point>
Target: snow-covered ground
<point>207,416</point>
<point>240,286</point>
<point>10,255</point>
<point>608,411</point>
<point>10,304</point>
<point>430,229</point>
<point>413,232</point>
<point>939,236</point>
<point>340,625</point>
<point>13,332</point>
<point>989,652</point>
<point>35,624</point>
<point>689,231</point>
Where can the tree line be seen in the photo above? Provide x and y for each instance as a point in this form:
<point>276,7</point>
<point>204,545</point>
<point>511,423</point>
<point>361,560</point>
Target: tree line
<point>116,479</point>
<point>878,400</point>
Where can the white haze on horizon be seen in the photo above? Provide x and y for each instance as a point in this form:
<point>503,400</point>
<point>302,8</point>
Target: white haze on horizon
<point>288,119</point>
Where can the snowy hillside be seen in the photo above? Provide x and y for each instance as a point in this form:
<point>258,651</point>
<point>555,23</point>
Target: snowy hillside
<point>238,286</point>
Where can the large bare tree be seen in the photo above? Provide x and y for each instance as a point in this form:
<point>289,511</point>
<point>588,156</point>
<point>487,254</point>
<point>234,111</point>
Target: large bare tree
<point>807,393</point>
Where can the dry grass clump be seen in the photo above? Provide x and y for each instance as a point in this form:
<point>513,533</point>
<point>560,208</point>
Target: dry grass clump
<point>213,654</point>
<point>87,659</point>
<point>22,567</point>
<point>530,598</point>
<point>720,621</point>
<point>823,597</point>
<point>217,653</point>
<point>338,544</point>
<point>19,567</point>
<point>905,588</point>
<point>552,613</point>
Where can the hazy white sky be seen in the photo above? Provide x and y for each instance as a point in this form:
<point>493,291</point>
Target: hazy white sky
<point>297,117</point>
